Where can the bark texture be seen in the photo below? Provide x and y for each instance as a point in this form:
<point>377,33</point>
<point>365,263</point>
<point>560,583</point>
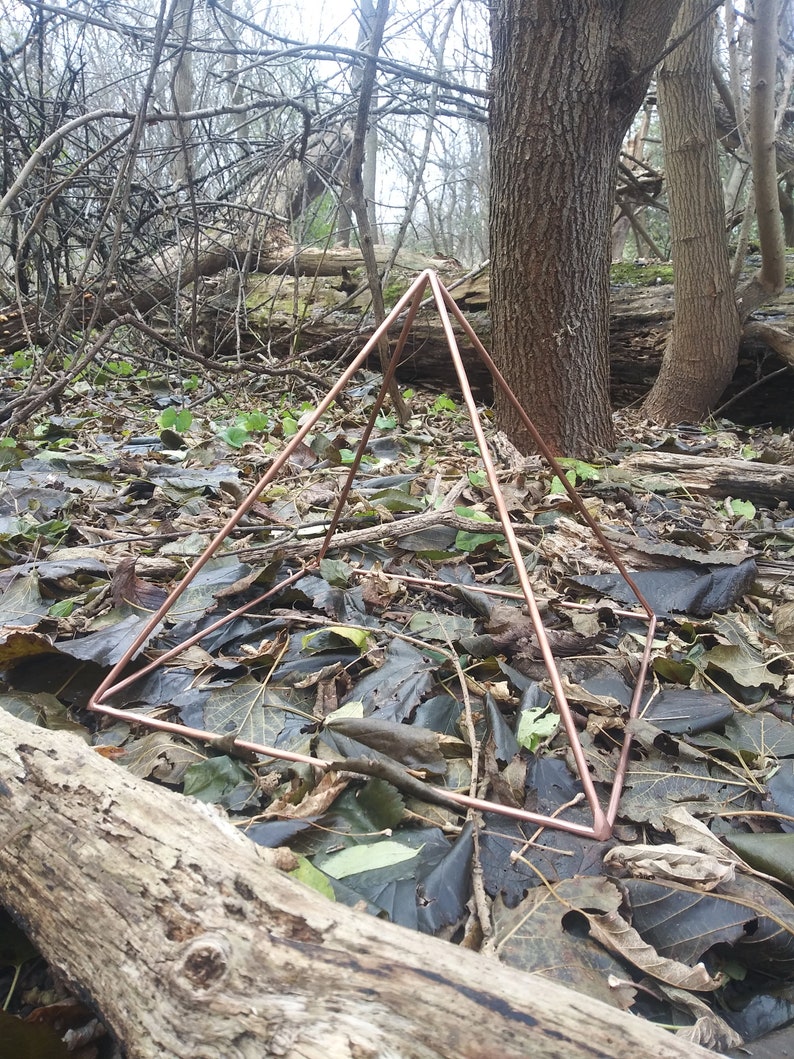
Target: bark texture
<point>193,946</point>
<point>771,277</point>
<point>567,80</point>
<point>703,349</point>
<point>763,483</point>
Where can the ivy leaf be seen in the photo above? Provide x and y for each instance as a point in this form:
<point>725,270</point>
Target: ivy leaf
<point>357,859</point>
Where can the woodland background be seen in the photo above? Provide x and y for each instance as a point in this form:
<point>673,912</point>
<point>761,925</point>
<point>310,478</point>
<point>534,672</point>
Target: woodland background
<point>205,211</point>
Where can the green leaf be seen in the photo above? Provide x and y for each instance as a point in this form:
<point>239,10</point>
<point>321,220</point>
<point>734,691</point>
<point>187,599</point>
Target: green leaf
<point>535,725</point>
<point>357,859</point>
<point>256,421</point>
<point>62,609</point>
<point>336,572</point>
<point>171,419</point>
<point>470,542</point>
<point>443,404</point>
<point>289,426</point>
<point>582,472</point>
<point>742,509</point>
<point>772,854</point>
<point>478,479</point>
<point>677,672</point>
<point>211,780</point>
<point>557,488</point>
<point>319,640</point>
<point>397,500</point>
<point>235,437</point>
<point>318,880</point>
<point>474,514</point>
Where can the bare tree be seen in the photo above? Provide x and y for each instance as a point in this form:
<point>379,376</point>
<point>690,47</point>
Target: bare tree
<point>703,350</point>
<point>566,85</point>
<point>703,347</point>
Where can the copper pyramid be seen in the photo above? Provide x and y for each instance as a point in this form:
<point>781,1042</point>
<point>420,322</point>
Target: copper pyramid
<point>408,306</point>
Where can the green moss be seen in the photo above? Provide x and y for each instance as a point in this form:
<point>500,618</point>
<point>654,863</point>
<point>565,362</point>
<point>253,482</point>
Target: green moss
<point>393,292</point>
<point>642,275</point>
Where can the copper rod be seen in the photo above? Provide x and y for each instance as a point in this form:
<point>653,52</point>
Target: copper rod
<point>412,300</point>
<point>166,656</point>
<point>388,378</point>
<point>325,766</point>
<point>253,495</point>
<point>566,716</point>
<point>543,448</point>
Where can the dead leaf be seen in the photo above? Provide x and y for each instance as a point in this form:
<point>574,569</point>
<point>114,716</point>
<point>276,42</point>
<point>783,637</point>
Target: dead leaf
<point>672,862</point>
<point>321,798</point>
<point>615,934</point>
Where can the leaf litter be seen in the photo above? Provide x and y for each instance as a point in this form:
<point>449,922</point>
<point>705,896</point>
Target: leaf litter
<point>405,660</point>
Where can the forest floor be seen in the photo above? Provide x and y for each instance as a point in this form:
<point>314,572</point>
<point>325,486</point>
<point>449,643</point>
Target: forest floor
<point>406,655</point>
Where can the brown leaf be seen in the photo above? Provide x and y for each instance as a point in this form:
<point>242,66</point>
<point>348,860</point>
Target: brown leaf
<point>675,863</point>
<point>127,587</point>
<point>615,934</point>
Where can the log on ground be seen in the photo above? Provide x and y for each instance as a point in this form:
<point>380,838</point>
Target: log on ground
<point>190,944</point>
<point>763,483</point>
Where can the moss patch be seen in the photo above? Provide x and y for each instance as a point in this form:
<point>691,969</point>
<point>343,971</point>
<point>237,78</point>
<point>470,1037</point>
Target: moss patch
<point>642,275</point>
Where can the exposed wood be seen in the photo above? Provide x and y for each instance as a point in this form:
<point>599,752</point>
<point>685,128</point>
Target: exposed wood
<point>192,945</point>
<point>762,483</point>
<point>777,338</point>
<point>639,321</point>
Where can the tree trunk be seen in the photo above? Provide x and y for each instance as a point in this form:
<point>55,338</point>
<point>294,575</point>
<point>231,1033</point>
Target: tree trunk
<point>703,347</point>
<point>567,80</point>
<point>771,278</point>
<point>193,945</point>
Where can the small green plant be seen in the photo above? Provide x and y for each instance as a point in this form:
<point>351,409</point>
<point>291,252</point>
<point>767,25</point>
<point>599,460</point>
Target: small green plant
<point>534,725</point>
<point>122,368</point>
<point>576,471</point>
<point>173,419</point>
<point>256,422</point>
<point>234,436</point>
<point>22,360</point>
<point>443,404</point>
<point>739,509</point>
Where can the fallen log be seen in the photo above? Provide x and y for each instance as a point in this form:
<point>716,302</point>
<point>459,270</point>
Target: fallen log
<point>191,944</point>
<point>763,483</point>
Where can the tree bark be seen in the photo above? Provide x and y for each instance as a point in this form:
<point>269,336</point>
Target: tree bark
<point>567,80</point>
<point>192,945</point>
<point>771,278</point>
<point>763,483</point>
<point>703,348</point>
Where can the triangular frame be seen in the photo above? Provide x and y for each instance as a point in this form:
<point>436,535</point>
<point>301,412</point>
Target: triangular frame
<point>409,304</point>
